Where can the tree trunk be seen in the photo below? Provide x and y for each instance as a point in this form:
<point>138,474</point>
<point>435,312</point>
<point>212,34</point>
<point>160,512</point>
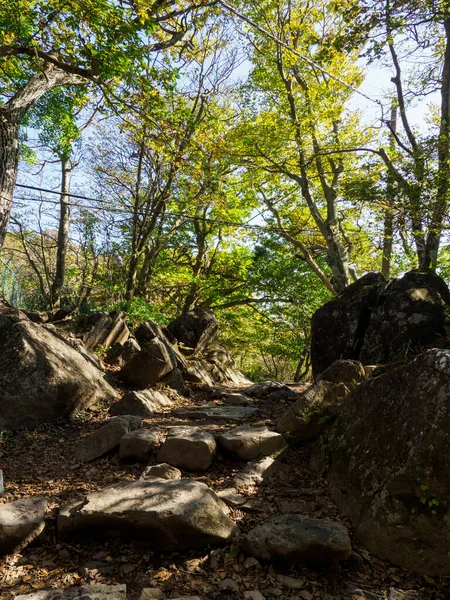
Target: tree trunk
<point>9,157</point>
<point>63,235</point>
<point>388,233</point>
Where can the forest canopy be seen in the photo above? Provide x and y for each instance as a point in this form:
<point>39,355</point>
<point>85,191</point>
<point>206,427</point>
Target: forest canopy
<point>253,158</point>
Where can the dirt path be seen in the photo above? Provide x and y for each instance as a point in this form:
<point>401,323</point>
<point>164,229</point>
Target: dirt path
<point>41,462</point>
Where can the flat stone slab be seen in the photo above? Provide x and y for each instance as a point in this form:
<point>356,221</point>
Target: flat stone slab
<point>165,515</point>
<point>97,591</point>
<point>247,443</point>
<point>254,473</point>
<point>214,412</point>
<point>21,522</point>
<point>296,539</point>
<point>188,448</point>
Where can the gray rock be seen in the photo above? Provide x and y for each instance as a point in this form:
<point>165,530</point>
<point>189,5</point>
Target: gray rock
<point>148,366</point>
<point>247,443</point>
<point>350,372</point>
<point>296,539</point>
<point>189,448</point>
<point>151,594</point>
<point>235,400</point>
<point>390,463</point>
<point>290,582</point>
<point>228,584</point>
<point>42,377</point>
<point>175,381</point>
<point>161,471</point>
<point>195,371</point>
<point>166,515</point>
<point>102,329</point>
<point>314,411</point>
<point>337,327</point>
<point>96,591</point>
<point>129,350</point>
<point>263,389</point>
<point>253,595</point>
<point>21,522</point>
<point>195,329</point>
<point>319,459</point>
<point>144,403</point>
<point>215,413</point>
<point>137,445</point>
<point>280,395</point>
<point>105,439</point>
<point>254,473</point>
<point>148,331</point>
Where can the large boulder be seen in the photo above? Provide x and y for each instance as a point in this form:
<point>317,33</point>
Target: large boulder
<point>188,448</point>
<point>195,329</point>
<point>297,539</point>
<point>390,463</point>
<point>350,372</point>
<point>143,403</point>
<point>147,331</point>
<point>166,515</point>
<point>21,522</point>
<point>314,411</point>
<point>42,377</point>
<point>148,366</point>
<point>413,313</point>
<point>338,327</point>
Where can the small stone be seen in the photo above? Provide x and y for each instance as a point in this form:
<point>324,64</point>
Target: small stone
<point>291,582</point>
<point>252,563</point>
<point>21,522</point>
<point>127,568</point>
<point>256,472</point>
<point>161,471</point>
<point>229,584</point>
<point>253,595</point>
<point>306,595</point>
<point>151,594</point>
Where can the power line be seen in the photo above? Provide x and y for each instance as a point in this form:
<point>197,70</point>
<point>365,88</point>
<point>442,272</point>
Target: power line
<point>304,58</point>
<point>236,224</point>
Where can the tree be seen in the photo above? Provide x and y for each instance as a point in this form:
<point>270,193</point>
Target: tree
<point>51,44</point>
<point>297,128</point>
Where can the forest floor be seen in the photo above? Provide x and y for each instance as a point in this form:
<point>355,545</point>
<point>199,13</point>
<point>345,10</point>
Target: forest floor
<point>40,462</point>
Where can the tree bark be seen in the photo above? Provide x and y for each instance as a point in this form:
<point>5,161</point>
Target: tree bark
<point>388,231</point>
<point>63,235</point>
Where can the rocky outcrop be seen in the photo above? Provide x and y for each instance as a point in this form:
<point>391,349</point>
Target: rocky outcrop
<point>42,377</point>
<point>296,539</point>
<point>314,411</point>
<point>378,322</point>
<point>247,443</point>
<point>413,313</point>
<point>188,448</point>
<point>165,515</point>
<point>338,327</point>
<point>148,366</point>
<point>101,329</point>
<point>195,329</point>
<point>390,463</point>
<point>20,523</point>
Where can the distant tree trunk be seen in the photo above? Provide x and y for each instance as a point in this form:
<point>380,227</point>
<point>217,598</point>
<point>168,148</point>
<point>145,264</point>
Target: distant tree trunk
<point>63,235</point>
<point>388,233</point>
